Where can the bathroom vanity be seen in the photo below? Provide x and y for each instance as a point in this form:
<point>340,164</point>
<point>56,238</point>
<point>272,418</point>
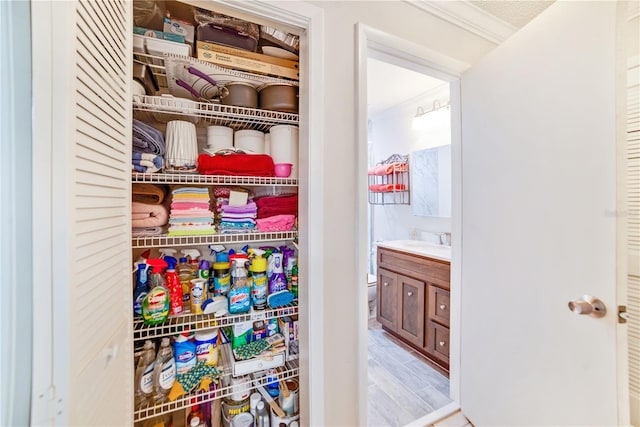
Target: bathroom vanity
<point>413,296</point>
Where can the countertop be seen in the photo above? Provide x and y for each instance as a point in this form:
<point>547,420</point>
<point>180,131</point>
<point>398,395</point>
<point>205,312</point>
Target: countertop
<point>418,247</point>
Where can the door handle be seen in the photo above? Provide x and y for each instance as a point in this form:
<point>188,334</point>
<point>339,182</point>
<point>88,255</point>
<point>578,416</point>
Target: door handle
<point>588,304</point>
<point>409,294</point>
<point>386,283</point>
<point>442,306</point>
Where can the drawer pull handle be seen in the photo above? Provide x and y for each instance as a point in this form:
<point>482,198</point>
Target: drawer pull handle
<point>409,294</point>
<point>441,343</point>
<point>442,306</point>
<point>386,283</point>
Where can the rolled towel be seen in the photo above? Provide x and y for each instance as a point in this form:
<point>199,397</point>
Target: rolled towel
<point>148,193</point>
<point>146,215</point>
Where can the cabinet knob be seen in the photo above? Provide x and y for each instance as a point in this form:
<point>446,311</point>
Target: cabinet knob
<point>442,306</point>
<point>409,294</point>
<point>441,343</point>
<point>386,283</point>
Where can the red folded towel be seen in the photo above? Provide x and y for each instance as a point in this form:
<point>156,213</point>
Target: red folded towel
<point>236,164</point>
<point>387,188</point>
<point>277,205</point>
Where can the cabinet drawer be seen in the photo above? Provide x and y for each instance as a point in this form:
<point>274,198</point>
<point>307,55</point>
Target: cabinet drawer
<point>439,305</point>
<point>431,270</point>
<point>438,341</point>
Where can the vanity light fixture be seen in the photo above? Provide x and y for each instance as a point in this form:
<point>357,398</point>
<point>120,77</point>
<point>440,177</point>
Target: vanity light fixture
<point>425,119</point>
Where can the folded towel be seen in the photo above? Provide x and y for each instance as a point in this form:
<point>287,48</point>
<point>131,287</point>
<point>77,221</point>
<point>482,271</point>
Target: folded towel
<point>387,188</point>
<point>147,139</point>
<point>144,159</point>
<point>277,205</point>
<point>388,168</point>
<point>147,215</point>
<point>236,164</point>
<point>242,224</point>
<point>191,190</point>
<point>146,231</point>
<point>148,193</point>
<point>276,223</point>
<point>144,169</point>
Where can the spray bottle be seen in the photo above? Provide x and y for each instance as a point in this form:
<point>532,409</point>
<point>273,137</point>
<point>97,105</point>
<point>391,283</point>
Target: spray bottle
<point>240,292</point>
<point>258,271</point>
<point>174,286</point>
<point>142,259</point>
<point>141,289</point>
<point>155,306</point>
<point>185,274</point>
<point>278,281</point>
<point>193,255</point>
<point>167,252</point>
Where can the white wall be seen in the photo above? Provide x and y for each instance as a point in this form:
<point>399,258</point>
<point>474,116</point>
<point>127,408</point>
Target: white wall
<point>392,133</point>
<point>340,321</point>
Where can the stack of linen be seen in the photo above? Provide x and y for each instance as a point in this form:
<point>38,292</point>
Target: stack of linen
<point>277,213</point>
<point>148,148</point>
<point>149,215</point>
<point>190,213</point>
<point>234,219</point>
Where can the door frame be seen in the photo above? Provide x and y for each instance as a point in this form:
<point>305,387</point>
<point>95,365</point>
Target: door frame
<point>371,42</point>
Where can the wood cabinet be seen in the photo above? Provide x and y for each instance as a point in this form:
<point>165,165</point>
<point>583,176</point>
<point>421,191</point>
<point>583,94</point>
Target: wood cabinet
<point>413,303</point>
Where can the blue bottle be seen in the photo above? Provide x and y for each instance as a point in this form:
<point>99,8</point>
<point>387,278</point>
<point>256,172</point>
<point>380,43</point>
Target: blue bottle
<point>141,289</point>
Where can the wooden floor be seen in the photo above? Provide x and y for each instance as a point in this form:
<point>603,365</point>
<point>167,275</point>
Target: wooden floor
<point>402,387</point>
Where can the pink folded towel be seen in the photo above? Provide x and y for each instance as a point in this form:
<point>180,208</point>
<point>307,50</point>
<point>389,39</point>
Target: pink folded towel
<point>276,223</point>
<point>146,215</point>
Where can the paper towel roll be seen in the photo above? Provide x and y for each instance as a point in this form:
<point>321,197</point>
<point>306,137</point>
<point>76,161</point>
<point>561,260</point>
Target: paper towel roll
<point>284,146</point>
<point>249,140</point>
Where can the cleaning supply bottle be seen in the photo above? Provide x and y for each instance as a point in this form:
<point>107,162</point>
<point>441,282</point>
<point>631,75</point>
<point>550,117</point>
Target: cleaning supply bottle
<point>195,414</point>
<point>174,286</point>
<point>164,372</point>
<point>185,353</point>
<point>240,292</point>
<point>203,270</point>
<point>144,374</point>
<point>198,295</point>
<point>221,279</point>
<point>141,289</point>
<point>185,274</point>
<point>294,280</point>
<point>278,281</point>
<point>166,252</point>
<point>262,417</point>
<point>193,255</point>
<point>155,306</point>
<point>259,284</point>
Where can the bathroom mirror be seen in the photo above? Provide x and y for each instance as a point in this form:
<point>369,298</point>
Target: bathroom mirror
<point>431,182</point>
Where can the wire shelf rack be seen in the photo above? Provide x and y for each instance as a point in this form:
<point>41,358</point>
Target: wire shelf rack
<point>161,109</point>
<point>290,370</point>
<point>170,178</point>
<point>197,322</point>
<point>254,237</point>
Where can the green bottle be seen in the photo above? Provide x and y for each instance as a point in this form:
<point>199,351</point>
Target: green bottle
<point>294,280</point>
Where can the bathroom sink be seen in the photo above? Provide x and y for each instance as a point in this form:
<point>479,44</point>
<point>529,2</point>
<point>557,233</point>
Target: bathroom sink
<point>419,247</point>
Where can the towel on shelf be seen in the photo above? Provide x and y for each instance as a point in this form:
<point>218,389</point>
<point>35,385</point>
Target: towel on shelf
<point>148,193</point>
<point>276,223</point>
<point>277,205</point>
<point>146,215</point>
<point>190,212</point>
<point>147,139</point>
<point>236,165</point>
<point>388,168</point>
<point>146,231</point>
<point>387,188</point>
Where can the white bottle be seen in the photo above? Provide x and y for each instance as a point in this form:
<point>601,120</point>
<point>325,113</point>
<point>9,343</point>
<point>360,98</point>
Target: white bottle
<point>164,372</point>
<point>262,417</point>
<point>144,374</point>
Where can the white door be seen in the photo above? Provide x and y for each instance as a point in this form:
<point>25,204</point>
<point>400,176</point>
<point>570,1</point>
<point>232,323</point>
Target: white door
<point>538,227</point>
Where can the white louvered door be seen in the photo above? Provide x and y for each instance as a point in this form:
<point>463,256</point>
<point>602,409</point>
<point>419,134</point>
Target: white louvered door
<point>91,231</point>
<point>633,204</point>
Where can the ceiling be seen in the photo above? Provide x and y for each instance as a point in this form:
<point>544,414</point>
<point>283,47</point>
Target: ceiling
<point>384,92</point>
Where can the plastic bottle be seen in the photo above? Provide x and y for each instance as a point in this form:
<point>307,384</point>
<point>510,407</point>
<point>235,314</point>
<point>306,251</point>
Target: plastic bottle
<point>185,274</point>
<point>262,417</point>
<point>288,270</point>
<point>207,346</point>
<point>193,255</point>
<point>240,292</point>
<point>198,295</point>
<point>253,403</point>
<point>174,286</point>
<point>185,353</point>
<point>141,289</point>
<point>273,385</point>
<point>164,372</point>
<point>278,281</point>
<point>203,270</point>
<point>144,374</point>
<point>221,279</point>
<point>294,280</point>
<point>194,415</point>
<point>259,283</point>
<point>155,306</point>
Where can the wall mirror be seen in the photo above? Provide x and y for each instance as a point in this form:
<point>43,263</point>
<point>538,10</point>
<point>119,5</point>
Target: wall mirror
<point>431,182</point>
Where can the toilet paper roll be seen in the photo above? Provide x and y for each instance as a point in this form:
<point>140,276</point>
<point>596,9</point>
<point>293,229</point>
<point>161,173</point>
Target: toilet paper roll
<point>248,140</point>
<point>219,137</point>
<point>284,146</point>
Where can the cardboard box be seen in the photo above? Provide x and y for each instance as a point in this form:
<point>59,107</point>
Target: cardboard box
<point>289,328</point>
<point>181,28</point>
<point>244,367</point>
<point>214,47</point>
<point>158,34</point>
<point>247,64</point>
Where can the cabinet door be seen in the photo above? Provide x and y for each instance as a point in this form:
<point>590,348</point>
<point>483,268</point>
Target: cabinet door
<point>411,320</point>
<point>438,303</point>
<point>387,313</point>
